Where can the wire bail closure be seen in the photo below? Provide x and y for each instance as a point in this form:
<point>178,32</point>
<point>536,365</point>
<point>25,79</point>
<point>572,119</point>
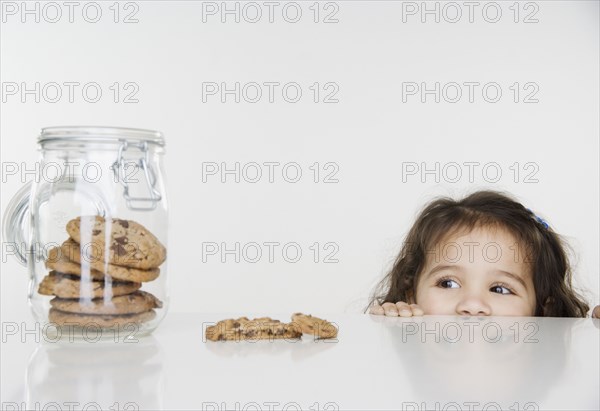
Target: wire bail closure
<point>119,168</point>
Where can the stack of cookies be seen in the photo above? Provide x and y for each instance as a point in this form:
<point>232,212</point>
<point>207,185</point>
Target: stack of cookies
<point>97,273</point>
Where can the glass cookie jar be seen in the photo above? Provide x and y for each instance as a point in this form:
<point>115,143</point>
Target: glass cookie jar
<point>92,232</point>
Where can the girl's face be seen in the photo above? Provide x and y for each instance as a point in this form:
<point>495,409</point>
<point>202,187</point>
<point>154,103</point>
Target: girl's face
<point>480,273</point>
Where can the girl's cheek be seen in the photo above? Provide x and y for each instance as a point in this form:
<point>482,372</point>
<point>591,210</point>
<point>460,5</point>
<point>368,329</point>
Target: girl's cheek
<point>436,307</point>
<point>431,301</point>
<point>426,293</point>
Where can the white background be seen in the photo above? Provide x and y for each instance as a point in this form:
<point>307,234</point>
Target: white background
<point>369,133</point>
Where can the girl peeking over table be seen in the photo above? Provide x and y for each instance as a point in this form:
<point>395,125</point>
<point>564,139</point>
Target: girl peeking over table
<point>483,255</point>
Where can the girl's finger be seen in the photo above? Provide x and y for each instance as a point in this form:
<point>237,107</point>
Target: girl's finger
<point>596,312</point>
<point>376,309</point>
<point>404,309</point>
<point>416,310</point>
<point>390,309</point>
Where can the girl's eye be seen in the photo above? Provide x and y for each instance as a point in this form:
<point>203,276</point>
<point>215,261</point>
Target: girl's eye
<point>500,290</point>
<point>446,283</point>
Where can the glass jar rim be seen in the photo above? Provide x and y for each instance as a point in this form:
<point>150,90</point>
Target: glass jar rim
<point>99,134</point>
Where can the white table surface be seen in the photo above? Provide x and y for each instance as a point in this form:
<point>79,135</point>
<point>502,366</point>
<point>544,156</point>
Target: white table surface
<point>376,363</point>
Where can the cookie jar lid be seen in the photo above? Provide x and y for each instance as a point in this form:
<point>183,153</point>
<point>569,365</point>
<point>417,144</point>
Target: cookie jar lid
<point>98,134</point>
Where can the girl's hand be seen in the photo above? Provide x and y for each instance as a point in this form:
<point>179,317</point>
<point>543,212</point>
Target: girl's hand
<point>596,312</point>
<point>401,309</point>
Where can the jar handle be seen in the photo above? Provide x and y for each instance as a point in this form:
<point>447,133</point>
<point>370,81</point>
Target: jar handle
<point>14,221</point>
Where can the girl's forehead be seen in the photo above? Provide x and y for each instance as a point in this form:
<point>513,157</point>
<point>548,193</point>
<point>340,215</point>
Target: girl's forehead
<point>494,244</point>
<point>489,233</point>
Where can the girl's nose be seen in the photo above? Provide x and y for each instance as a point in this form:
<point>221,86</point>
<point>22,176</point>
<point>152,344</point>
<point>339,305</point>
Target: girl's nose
<point>473,305</point>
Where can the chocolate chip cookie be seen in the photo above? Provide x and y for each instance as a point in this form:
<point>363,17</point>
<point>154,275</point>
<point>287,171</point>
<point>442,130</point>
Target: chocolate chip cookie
<point>315,326</point>
<point>127,243</point>
<point>57,260</point>
<point>135,303</point>
<point>258,329</point>
<point>71,251</point>
<point>70,286</point>
<point>103,321</point>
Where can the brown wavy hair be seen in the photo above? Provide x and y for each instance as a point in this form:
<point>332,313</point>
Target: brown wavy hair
<point>545,250</point>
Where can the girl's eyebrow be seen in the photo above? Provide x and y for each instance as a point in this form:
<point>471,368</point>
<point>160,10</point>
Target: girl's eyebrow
<point>442,267</point>
<point>513,276</point>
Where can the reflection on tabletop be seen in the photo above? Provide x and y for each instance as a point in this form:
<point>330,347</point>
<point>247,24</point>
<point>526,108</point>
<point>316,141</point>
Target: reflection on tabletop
<point>524,358</point>
<point>130,374</point>
<point>376,362</point>
<point>307,347</point>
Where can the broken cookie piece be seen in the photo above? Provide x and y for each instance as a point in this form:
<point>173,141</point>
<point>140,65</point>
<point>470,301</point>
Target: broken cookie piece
<point>315,326</point>
<point>264,328</point>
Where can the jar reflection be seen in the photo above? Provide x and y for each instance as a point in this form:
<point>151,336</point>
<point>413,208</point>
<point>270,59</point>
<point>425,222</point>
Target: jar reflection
<point>118,375</point>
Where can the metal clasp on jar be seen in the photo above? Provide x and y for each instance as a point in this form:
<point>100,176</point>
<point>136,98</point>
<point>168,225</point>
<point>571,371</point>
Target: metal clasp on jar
<point>119,168</point>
